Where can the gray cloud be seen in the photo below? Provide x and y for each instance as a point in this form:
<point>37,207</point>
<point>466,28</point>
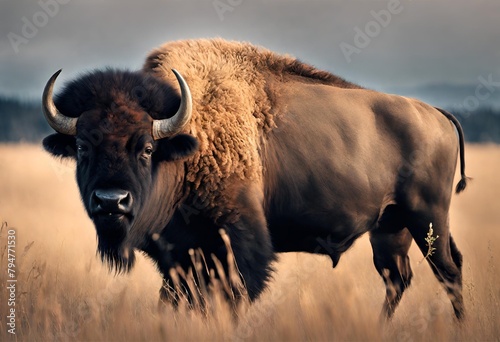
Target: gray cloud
<point>447,41</point>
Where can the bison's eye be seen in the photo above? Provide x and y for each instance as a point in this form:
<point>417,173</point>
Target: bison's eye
<point>82,150</point>
<point>148,151</point>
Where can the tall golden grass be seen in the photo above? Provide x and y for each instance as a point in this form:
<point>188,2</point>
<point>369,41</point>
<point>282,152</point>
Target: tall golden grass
<point>64,293</point>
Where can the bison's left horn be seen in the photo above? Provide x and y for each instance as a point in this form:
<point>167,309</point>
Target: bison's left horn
<point>167,127</point>
<point>56,119</point>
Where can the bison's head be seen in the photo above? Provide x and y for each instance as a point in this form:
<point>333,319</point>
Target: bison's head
<point>124,130</point>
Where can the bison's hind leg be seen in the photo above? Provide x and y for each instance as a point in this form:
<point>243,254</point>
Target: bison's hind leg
<point>443,256</point>
<point>391,242</point>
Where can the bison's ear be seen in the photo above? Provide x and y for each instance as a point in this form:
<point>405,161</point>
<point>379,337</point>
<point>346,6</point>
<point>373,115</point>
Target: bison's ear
<point>177,147</point>
<point>60,145</point>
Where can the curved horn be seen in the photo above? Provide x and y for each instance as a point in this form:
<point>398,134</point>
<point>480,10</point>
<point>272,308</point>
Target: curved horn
<point>167,127</point>
<point>56,119</point>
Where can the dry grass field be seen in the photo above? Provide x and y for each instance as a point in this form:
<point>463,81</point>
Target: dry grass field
<point>64,293</point>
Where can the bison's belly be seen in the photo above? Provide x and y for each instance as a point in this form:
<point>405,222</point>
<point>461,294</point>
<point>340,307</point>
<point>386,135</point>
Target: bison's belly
<point>319,232</point>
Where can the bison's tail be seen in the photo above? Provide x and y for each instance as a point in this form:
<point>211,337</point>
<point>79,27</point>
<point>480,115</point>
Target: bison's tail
<point>463,181</point>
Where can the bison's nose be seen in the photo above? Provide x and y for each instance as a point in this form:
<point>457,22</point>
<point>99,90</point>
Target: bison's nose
<point>111,201</point>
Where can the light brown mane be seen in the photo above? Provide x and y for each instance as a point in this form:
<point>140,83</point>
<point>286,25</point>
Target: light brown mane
<point>232,85</point>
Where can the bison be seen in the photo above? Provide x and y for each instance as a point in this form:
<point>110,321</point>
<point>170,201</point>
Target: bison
<point>284,157</point>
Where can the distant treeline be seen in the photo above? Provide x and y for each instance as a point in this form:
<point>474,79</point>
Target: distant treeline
<point>24,121</point>
<point>481,125</point>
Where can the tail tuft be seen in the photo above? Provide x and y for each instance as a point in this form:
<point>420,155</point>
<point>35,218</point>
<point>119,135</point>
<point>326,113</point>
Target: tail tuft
<point>462,184</point>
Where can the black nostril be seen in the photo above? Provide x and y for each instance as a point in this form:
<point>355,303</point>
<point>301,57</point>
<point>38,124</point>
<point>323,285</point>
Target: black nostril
<point>111,201</point>
<point>125,203</point>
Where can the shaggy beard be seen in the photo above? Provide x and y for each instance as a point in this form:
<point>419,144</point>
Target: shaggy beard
<point>118,258</point>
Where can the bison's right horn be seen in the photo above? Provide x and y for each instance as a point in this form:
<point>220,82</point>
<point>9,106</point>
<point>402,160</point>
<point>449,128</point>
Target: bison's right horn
<point>56,119</point>
<point>167,127</point>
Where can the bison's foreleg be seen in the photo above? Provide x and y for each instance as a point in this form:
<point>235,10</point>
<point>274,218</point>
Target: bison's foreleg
<point>193,253</point>
<point>251,243</point>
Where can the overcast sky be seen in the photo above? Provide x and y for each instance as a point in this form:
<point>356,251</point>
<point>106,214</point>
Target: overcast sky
<point>422,42</point>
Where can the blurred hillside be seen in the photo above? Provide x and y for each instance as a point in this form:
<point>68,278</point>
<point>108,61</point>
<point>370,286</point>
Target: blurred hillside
<point>24,121</point>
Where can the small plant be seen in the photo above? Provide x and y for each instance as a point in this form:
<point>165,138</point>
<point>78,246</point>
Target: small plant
<point>430,239</point>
